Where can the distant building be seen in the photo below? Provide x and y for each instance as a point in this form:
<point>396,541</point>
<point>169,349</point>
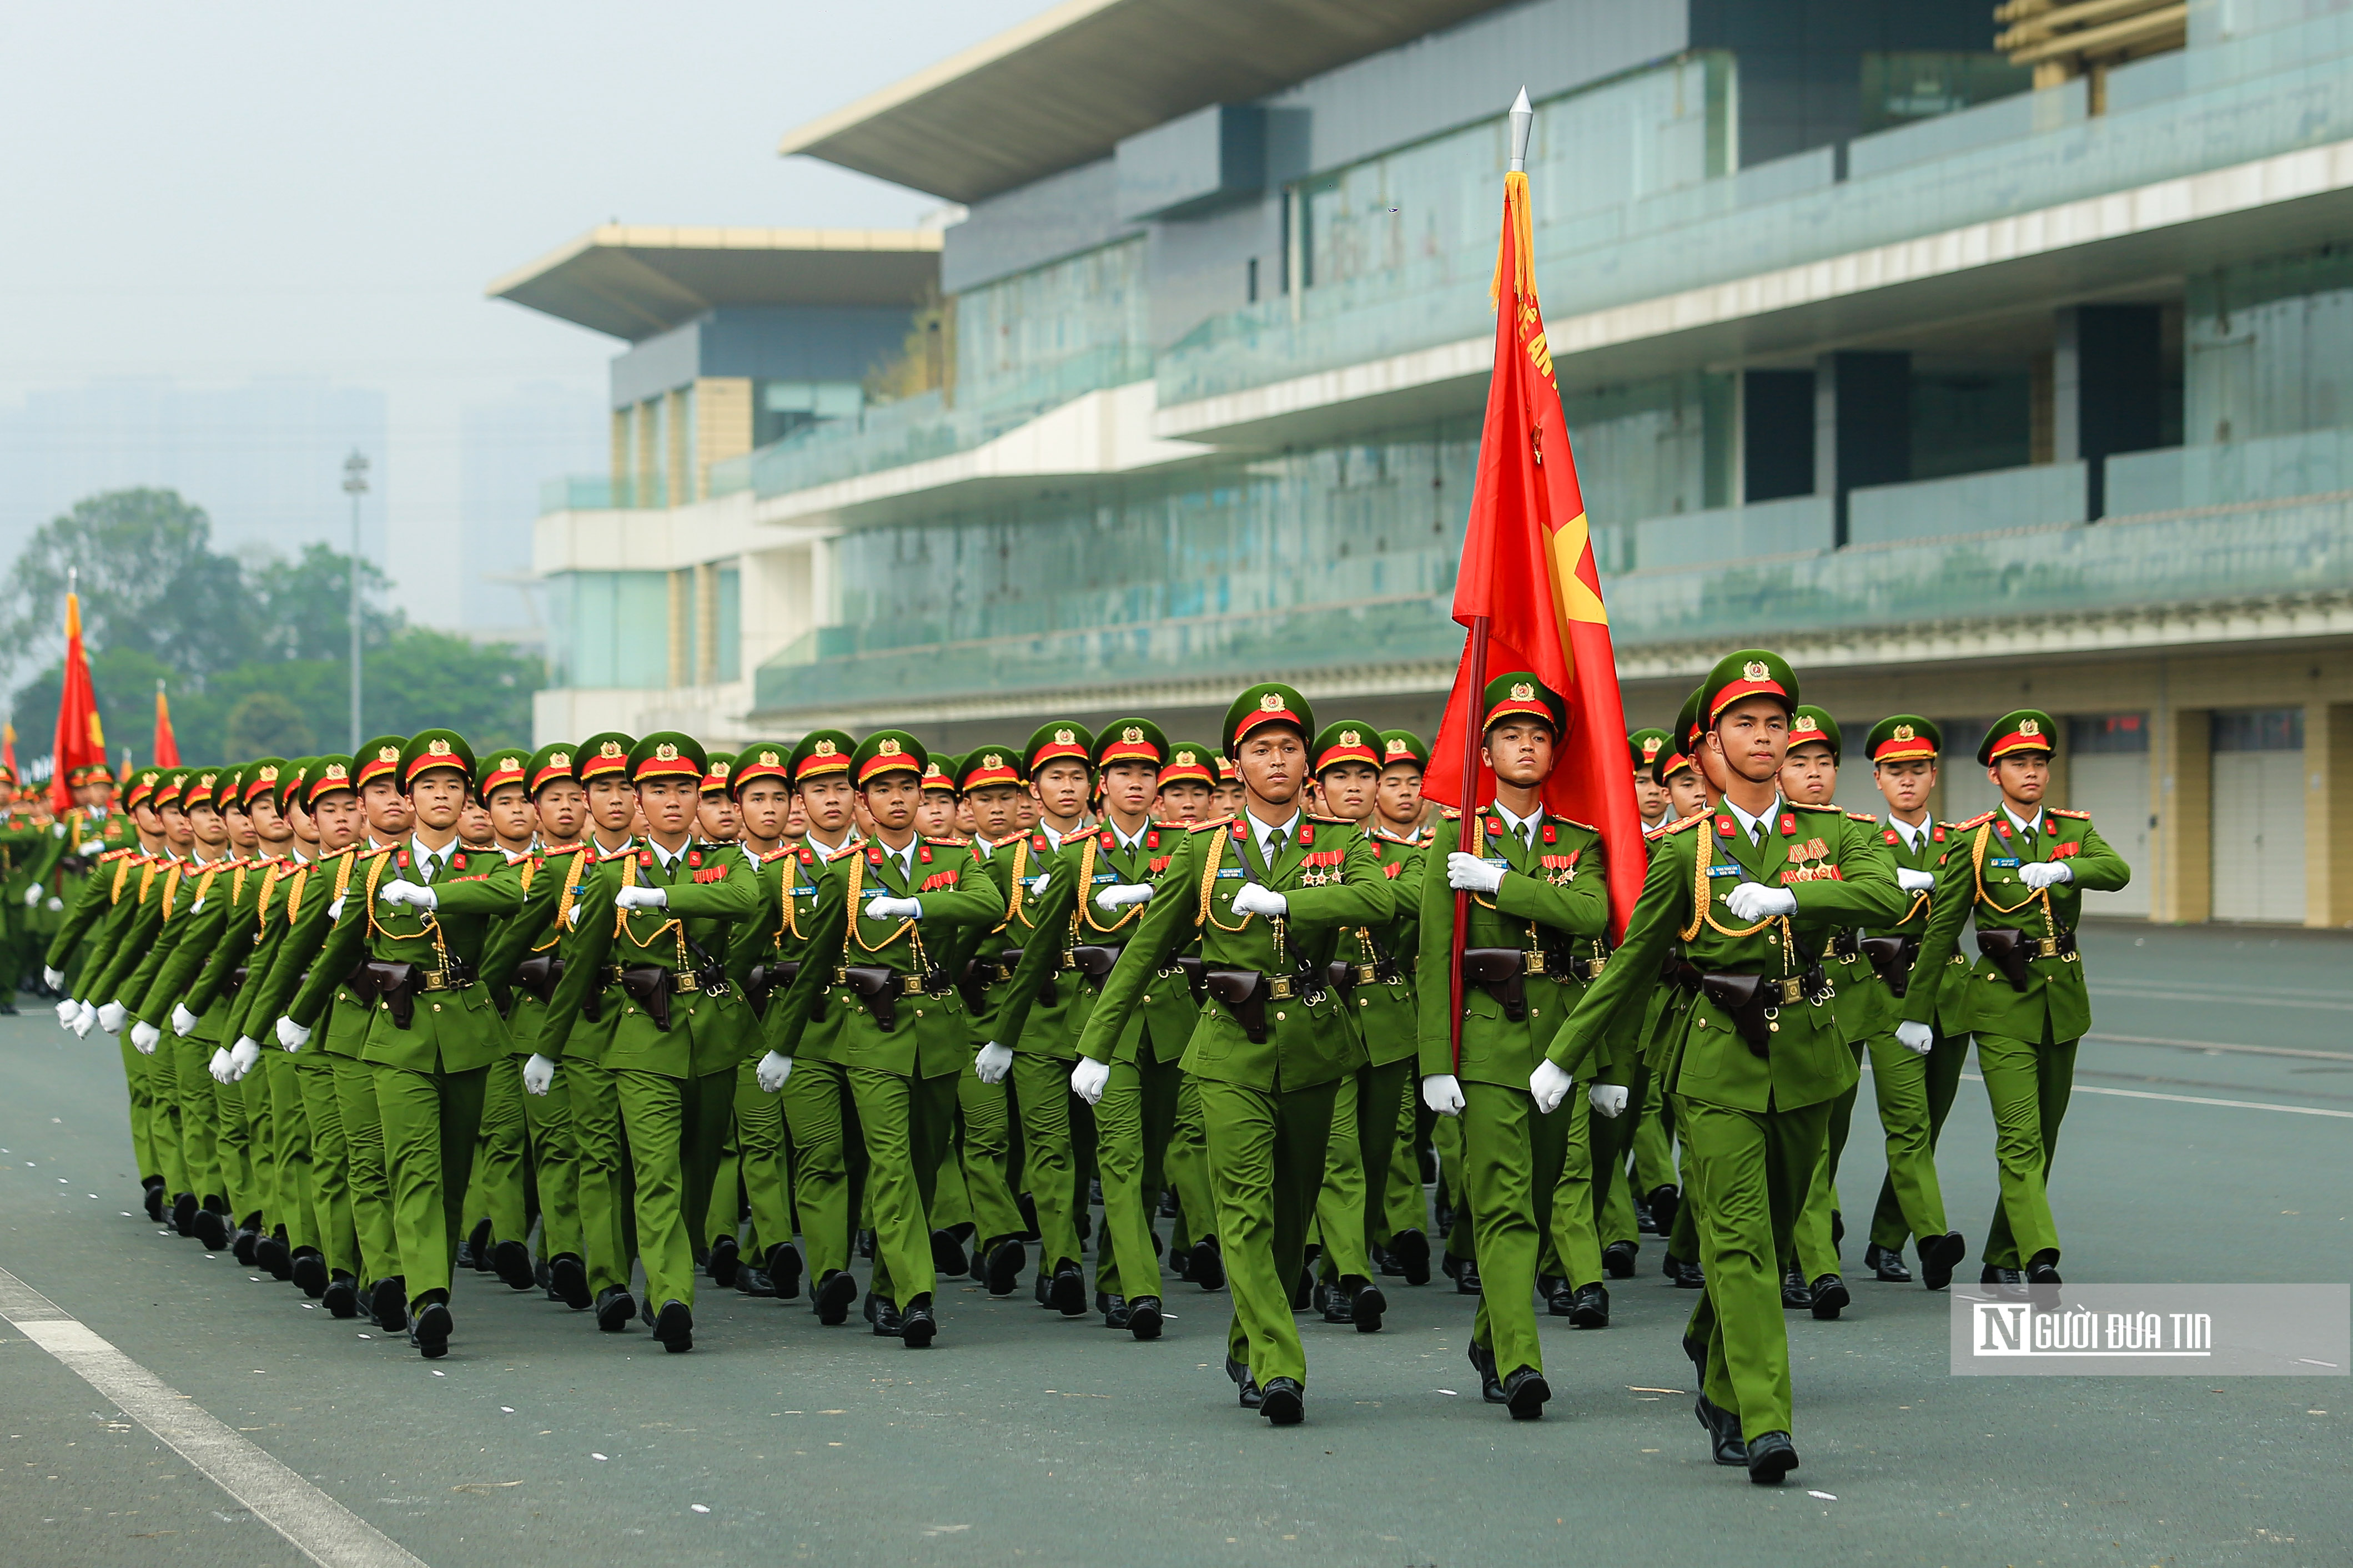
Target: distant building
<point>1969,375</point>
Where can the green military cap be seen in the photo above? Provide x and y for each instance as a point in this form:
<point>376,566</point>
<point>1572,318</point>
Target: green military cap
<point>603,755</point>
<point>1404,746</point>
<point>1521,695</point>
<point>550,764</point>
<point>1059,742</point>
<point>718,769</point>
<point>984,766</point>
<point>1751,672</point>
<point>144,786</point>
<point>2019,729</point>
<point>1190,761</point>
<point>1902,738</point>
<point>940,771</point>
<point>260,777</point>
<point>507,765</point>
<point>1809,725</point>
<point>1131,740</point>
<point>667,755</point>
<point>821,752</point>
<point>378,759</point>
<point>887,752</point>
<point>1348,741</point>
<point>430,749</point>
<point>291,774</point>
<point>173,790</point>
<point>1269,702</point>
<point>1682,743</point>
<point>1644,747</point>
<point>761,760</point>
<point>327,775</point>
<point>1227,773</point>
<point>206,787</point>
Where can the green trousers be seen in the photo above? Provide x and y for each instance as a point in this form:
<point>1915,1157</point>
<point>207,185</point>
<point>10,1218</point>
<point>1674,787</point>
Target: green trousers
<point>496,1189</point>
<point>372,1221</point>
<point>984,1160</point>
<point>1351,1208</point>
<point>329,1166</point>
<point>1941,1078</point>
<point>1187,1164</point>
<point>1511,1160</point>
<point>706,1142</point>
<point>602,1172</point>
<point>1042,1092</point>
<point>429,1122</point>
<point>1266,1152</point>
<point>292,1200</point>
<point>1809,1238</point>
<point>199,1119</point>
<point>762,1166</point>
<point>652,1111</point>
<point>1132,1123</point>
<point>818,1117</point>
<point>555,1167</point>
<point>1748,1172</point>
<point>2028,1084</point>
<point>1408,1207</point>
<point>157,1156</point>
<point>248,1144</point>
<point>1654,1137</point>
<point>1899,1082</point>
<point>1446,1142</point>
<point>1572,1249</point>
<point>908,1123</point>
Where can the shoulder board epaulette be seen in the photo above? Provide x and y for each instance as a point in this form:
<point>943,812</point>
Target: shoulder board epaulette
<point>1570,822</point>
<point>1216,826</point>
<point>1861,816</point>
<point>1685,826</point>
<point>947,843</point>
<point>2070,815</point>
<point>105,856</point>
<point>1832,810</point>
<point>843,853</point>
<point>630,853</point>
<point>1331,821</point>
<point>1977,821</point>
<point>779,852</point>
<point>1451,813</point>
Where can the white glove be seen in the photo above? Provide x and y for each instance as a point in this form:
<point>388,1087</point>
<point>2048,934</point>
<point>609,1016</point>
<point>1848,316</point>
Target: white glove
<point>110,1017</point>
<point>52,978</point>
<point>335,909</point>
<point>1442,1092</point>
<point>1913,882</point>
<point>32,895</point>
<point>69,1011</point>
<point>1037,883</point>
<point>1914,1038</point>
<point>85,1021</point>
<point>1254,900</point>
<point>1469,874</point>
<point>242,1055</point>
<point>2046,873</point>
<point>1609,1099</point>
<point>888,909</point>
<point>413,893</point>
<point>641,899</point>
<point>291,1034</point>
<point>993,1062</point>
<point>538,1073</point>
<point>772,1072</point>
<point>1755,902</point>
<point>56,903</point>
<point>1121,895</point>
<point>1087,1078</point>
<point>1549,1085</point>
<point>91,845</point>
<point>184,1023</point>
<point>144,1038</point>
<point>218,1066</point>
<point>196,908</point>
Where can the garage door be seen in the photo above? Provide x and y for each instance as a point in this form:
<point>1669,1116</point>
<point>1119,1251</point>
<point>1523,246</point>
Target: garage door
<point>2107,775</point>
<point>2259,815</point>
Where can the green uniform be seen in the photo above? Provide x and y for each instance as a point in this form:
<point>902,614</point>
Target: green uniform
<point>1353,1209</point>
<point>1939,1071</point>
<point>77,949</point>
<point>985,1110</point>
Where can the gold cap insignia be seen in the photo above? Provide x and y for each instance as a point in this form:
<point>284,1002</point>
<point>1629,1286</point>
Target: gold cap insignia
<point>1650,747</point>
<point>1133,735</point>
<point>2028,727</point>
<point>1351,737</point>
<point>335,771</point>
<point>436,748</point>
<point>1804,721</point>
<point>559,759</point>
<point>1523,693</point>
<point>719,770</point>
<point>665,753</point>
<point>1270,703</point>
<point>1065,738</point>
<point>387,754</point>
<point>1900,733</point>
<point>822,748</point>
<point>1398,748</point>
<point>770,760</point>
<point>610,749</point>
<point>269,775</point>
<point>1183,759</point>
<point>887,748</point>
<point>205,780</point>
<point>1756,669</point>
<point>993,760</point>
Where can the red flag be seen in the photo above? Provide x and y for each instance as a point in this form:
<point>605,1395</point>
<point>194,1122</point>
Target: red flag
<point>1529,572</point>
<point>167,745</point>
<point>8,748</point>
<point>81,742</point>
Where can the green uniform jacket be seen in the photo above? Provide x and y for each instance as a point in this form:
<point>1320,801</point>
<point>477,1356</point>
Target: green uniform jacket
<point>134,933</point>
<point>450,1031</point>
<point>296,973</point>
<point>1979,875</point>
<point>66,867</point>
<point>1864,1006</point>
<point>1553,891</point>
<point>194,936</point>
<point>1041,1009</point>
<point>1330,881</point>
<point>544,875</point>
<point>709,887</point>
<point>1950,983</point>
<point>1838,880</point>
<point>95,900</point>
<point>1385,1012</point>
<point>272,891</point>
<point>779,932</point>
<point>932,1035</point>
<point>1012,871</point>
<point>1066,915</point>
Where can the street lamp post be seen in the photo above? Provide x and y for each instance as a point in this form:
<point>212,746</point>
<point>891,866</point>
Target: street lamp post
<point>355,485</point>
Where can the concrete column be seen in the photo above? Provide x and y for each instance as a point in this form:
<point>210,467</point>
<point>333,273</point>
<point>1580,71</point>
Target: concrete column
<point>706,623</point>
<point>2182,764</point>
<point>1862,426</point>
<point>2327,829</point>
<point>620,456</point>
<point>682,621</point>
<point>2106,374</point>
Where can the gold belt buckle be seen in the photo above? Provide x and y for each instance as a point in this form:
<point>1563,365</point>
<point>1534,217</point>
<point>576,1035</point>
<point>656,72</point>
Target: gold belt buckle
<point>2046,947</point>
<point>685,980</point>
<point>1533,961</point>
<point>1279,988</point>
<point>437,980</point>
<point>1792,992</point>
<point>1369,973</point>
<point>910,985</point>
<point>1593,966</point>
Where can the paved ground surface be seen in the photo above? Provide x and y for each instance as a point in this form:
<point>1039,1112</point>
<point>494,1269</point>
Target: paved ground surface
<point>1025,1438</point>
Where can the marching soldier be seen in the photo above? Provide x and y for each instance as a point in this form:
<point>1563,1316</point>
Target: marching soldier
<point>496,1191</point>
<point>1400,843</point>
<point>759,787</point>
<point>2022,871</point>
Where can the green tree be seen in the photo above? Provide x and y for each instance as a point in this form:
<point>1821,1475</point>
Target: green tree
<point>150,581</point>
<point>267,724</point>
<point>482,691</point>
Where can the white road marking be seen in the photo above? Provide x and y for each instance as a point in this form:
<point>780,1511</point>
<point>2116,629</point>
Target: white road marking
<point>2218,1045</point>
<point>2198,1099</point>
<point>318,1526</point>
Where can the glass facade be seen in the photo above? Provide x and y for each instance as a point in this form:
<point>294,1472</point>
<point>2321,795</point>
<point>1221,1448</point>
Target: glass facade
<point>609,629</point>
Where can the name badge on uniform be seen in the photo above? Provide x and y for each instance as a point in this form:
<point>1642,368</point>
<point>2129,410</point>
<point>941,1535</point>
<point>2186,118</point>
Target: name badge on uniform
<point>1724,871</point>
<point>1103,877</point>
<point>1497,860</point>
<point>1226,871</point>
<point>2010,860</point>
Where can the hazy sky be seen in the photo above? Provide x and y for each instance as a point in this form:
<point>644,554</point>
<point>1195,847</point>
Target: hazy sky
<point>215,192</point>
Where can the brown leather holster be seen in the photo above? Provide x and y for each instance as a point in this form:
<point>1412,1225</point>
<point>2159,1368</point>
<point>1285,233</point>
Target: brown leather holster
<point>2012,953</point>
<point>1195,979</point>
<point>236,982</point>
<point>1010,960</point>
<point>979,974</point>
<point>1891,959</point>
<point>539,973</point>
<point>396,985</point>
<point>1746,1000</point>
<point>1243,991</point>
<point>877,987</point>
<point>1501,972</point>
<point>1094,959</point>
<point>1341,976</point>
<point>648,985</point>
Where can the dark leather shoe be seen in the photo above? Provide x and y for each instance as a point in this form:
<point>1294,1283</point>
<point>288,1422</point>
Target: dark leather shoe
<point>150,1198</point>
<point>308,1271</point>
<point>1589,1307</point>
<point>1466,1280</point>
<point>1560,1295</point>
<point>615,1308</point>
<point>1524,1393</point>
<point>783,1267</point>
<point>1838,1230</point>
<point>568,1282</point>
<point>674,1327</point>
<point>212,1229</point>
<point>866,1243</point>
<point>273,1254</point>
<point>833,1295</point>
<point>1068,1293</point>
<point>1618,1260</point>
<point>1886,1263</point>
<point>726,1257</point>
<point>2009,1282</point>
<point>464,1256</point>
<point>1483,1362</point>
<point>1209,1270</point>
<point>389,1304</point>
<point>1722,1432</point>
<point>1795,1297</point>
<point>1939,1256</point>
<point>341,1296</point>
<point>753,1280</point>
<point>1113,1309</point>
<point>430,1333</point>
<point>1663,1204</point>
<point>1366,1305</point>
<point>1412,1249</point>
<point>1180,1263</point>
<point>948,1258</point>
<point>241,1246</point>
<point>883,1313</point>
<point>918,1325</point>
<point>2042,1268</point>
<point>1284,1402</point>
<point>480,1239</point>
<point>511,1262</point>
<point>1144,1317</point>
<point>1770,1457</point>
<point>1688,1276</point>
<point>1005,1261</point>
<point>1240,1377</point>
<point>184,1213</point>
<point>1829,1297</point>
<point>1302,1289</point>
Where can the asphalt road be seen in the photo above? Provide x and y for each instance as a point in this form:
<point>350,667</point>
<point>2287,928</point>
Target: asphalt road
<point>1021,1438</point>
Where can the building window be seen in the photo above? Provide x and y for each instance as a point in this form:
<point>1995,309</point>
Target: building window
<point>609,629</point>
<point>2259,730</point>
<point>2107,734</point>
<point>730,623</point>
<point>1250,279</point>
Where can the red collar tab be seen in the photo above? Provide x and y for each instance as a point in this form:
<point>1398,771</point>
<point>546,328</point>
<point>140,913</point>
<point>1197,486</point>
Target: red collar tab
<point>1494,826</point>
<point>1788,825</point>
<point>1239,831</point>
<point>1108,841</point>
<point>873,855</point>
<point>1724,824</point>
<point>808,855</point>
<point>1937,833</point>
<point>1037,842</point>
<point>923,853</point>
<point>646,858</point>
<point>694,859</point>
<point>400,858</point>
<point>2002,827</point>
<point>1307,835</point>
<point>1550,834</point>
<point>1894,837</point>
<point>457,861</point>
<point>1151,838</point>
